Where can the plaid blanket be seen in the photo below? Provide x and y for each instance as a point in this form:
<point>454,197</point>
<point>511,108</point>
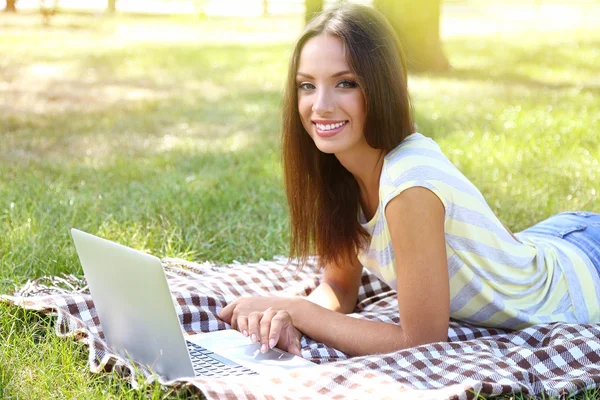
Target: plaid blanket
<point>553,359</point>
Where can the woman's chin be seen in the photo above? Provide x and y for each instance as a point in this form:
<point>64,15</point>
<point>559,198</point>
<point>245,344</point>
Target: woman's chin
<point>327,148</point>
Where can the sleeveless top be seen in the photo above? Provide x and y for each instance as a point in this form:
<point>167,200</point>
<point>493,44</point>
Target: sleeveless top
<point>495,280</point>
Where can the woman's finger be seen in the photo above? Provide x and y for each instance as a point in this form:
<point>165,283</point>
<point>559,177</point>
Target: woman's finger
<point>279,322</point>
<point>265,329</point>
<point>227,311</point>
<point>298,347</point>
<point>253,325</point>
<point>242,324</point>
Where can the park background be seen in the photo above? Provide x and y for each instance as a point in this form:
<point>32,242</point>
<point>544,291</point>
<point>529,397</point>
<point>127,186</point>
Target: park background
<point>158,126</point>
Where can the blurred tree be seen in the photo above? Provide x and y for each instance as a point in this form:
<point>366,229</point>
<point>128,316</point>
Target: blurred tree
<point>112,6</point>
<point>417,24</point>
<point>312,7</point>
<point>11,6</point>
<point>48,10</point>
<point>199,5</point>
<point>265,7</point>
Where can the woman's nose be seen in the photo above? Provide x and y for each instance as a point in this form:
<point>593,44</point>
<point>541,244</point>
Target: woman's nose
<point>324,103</point>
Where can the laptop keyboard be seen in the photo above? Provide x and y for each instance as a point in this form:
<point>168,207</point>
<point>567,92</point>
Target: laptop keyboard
<point>206,363</point>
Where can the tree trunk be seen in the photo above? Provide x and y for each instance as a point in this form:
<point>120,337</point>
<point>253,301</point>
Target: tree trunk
<point>312,8</point>
<point>200,8</point>
<point>417,24</point>
<point>11,6</point>
<point>48,10</point>
<point>265,8</point>
<point>112,6</point>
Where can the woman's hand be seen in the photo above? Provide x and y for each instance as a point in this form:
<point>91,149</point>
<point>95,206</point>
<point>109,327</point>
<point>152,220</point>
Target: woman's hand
<point>264,320</point>
<point>240,309</point>
<point>273,328</point>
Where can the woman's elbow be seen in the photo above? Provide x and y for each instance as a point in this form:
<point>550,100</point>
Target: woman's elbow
<point>425,336</point>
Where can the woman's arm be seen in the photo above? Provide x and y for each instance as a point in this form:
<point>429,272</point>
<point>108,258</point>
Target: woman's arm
<point>416,223</point>
<point>261,318</point>
<point>338,289</point>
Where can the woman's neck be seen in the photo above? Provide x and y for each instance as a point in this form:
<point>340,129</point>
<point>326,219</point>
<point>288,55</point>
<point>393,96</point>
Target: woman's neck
<point>366,165</point>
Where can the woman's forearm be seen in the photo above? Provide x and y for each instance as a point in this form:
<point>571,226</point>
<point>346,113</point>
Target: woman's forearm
<point>350,335</point>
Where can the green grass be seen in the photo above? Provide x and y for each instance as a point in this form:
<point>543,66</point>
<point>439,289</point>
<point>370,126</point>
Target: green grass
<point>163,134</point>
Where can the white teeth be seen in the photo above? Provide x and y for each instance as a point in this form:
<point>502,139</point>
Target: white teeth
<point>329,127</point>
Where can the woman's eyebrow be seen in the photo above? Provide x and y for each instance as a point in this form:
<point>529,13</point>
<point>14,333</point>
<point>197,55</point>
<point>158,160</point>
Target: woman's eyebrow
<point>302,74</point>
<point>308,76</point>
<point>345,72</point>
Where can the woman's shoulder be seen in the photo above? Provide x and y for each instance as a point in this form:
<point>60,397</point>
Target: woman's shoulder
<point>417,150</point>
<point>419,161</point>
<point>414,144</point>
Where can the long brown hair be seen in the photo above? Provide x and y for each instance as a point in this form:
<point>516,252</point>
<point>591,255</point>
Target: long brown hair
<point>323,196</point>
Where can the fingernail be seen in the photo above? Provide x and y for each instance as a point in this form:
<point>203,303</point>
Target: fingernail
<point>253,338</point>
<point>263,348</point>
<point>245,333</point>
<point>272,343</point>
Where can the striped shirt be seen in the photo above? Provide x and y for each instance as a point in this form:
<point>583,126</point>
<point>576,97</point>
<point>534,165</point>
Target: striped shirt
<point>495,280</point>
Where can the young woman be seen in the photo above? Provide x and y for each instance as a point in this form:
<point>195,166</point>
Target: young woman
<point>365,190</point>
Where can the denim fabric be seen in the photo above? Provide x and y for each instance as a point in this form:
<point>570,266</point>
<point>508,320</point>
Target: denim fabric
<point>577,227</point>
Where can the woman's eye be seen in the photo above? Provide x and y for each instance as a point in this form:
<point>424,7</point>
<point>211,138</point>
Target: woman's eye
<point>345,84</point>
<point>306,86</point>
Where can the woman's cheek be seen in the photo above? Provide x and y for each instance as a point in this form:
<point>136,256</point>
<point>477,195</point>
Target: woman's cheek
<point>305,115</point>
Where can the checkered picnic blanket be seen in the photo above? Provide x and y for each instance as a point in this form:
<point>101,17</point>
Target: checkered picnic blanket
<point>553,359</point>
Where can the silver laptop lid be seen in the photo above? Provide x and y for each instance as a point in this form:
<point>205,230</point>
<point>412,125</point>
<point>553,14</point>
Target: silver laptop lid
<point>134,305</point>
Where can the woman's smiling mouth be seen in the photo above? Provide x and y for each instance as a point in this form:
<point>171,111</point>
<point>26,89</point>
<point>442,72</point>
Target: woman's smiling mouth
<point>328,128</point>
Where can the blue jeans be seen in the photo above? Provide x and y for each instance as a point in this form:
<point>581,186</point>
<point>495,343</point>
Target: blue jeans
<point>577,227</point>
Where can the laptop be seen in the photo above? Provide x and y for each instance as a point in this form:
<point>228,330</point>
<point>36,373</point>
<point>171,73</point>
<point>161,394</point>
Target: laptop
<point>137,314</point>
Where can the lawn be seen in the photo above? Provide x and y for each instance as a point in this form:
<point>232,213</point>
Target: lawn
<point>162,133</point>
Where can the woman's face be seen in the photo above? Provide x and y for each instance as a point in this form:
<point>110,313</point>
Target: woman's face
<point>330,102</point>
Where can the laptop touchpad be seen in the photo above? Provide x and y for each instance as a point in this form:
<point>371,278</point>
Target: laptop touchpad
<point>274,360</point>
